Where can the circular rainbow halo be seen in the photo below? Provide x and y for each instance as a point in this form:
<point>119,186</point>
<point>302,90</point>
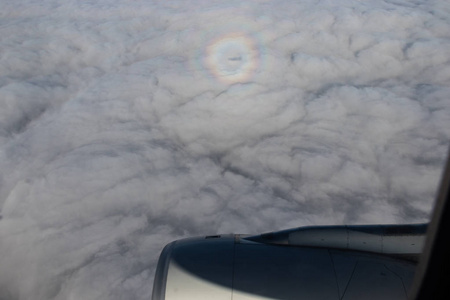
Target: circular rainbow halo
<point>232,58</point>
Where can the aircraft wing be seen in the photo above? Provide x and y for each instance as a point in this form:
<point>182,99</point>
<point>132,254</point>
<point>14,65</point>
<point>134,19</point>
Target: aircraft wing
<point>321,262</point>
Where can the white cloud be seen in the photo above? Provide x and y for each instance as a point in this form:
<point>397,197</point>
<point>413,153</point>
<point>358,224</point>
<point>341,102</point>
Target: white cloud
<point>127,124</point>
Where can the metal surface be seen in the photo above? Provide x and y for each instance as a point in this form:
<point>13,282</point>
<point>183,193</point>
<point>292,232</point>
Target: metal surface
<point>232,267</point>
<point>386,239</point>
<point>277,272</point>
<point>196,268</point>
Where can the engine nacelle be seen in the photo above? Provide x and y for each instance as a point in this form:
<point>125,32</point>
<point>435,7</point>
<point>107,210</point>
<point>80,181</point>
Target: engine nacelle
<point>242,268</point>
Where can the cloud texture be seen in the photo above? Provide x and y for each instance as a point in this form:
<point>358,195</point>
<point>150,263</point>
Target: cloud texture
<point>127,124</point>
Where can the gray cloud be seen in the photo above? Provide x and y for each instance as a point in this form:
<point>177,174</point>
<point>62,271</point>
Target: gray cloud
<point>126,124</point>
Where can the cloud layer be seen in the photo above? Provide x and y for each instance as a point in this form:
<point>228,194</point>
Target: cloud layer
<point>127,124</point>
